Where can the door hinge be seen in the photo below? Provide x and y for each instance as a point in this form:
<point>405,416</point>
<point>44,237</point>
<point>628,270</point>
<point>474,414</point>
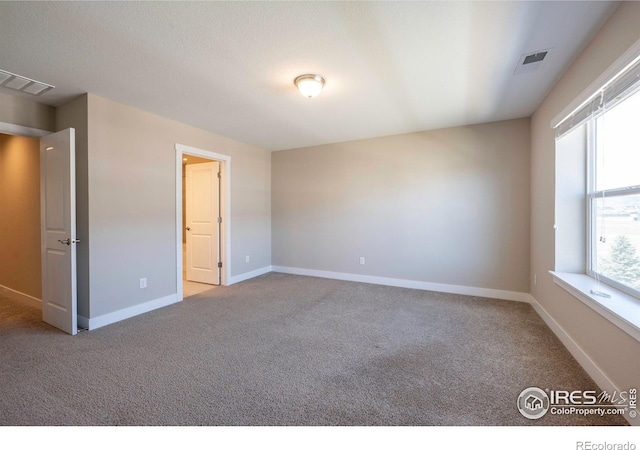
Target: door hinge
<point>219,219</point>
<point>219,265</point>
<point>219,175</point>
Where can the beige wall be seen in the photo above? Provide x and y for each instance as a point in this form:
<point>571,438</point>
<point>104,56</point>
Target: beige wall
<point>132,213</point>
<point>20,215</point>
<point>446,206</point>
<point>20,111</point>
<point>615,352</point>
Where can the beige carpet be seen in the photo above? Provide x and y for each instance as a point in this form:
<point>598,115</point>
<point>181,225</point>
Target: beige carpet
<point>289,350</point>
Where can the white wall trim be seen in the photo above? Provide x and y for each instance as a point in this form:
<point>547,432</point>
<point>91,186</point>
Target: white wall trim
<point>126,313</point>
<point>19,130</point>
<point>248,275</point>
<point>21,297</point>
<point>621,63</point>
<point>597,374</point>
<point>411,284</point>
<point>225,160</point>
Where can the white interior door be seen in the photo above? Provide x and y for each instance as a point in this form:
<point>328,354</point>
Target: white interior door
<point>203,222</point>
<point>58,230</point>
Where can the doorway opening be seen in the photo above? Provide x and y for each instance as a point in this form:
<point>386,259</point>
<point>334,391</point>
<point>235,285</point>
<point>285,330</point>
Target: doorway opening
<point>201,217</point>
<point>202,220</point>
<point>32,178</point>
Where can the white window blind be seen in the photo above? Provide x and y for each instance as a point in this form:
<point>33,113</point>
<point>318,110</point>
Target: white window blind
<point>606,97</point>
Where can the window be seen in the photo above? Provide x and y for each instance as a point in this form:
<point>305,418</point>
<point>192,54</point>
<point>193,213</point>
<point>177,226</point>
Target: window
<point>597,217</point>
<point>613,180</point>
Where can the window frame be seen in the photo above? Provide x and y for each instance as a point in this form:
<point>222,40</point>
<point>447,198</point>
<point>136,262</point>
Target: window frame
<point>592,195</point>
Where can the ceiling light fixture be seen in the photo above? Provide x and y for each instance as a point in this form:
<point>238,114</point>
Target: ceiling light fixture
<point>309,85</point>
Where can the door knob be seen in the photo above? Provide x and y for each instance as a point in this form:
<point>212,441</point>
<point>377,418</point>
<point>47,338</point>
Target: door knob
<point>68,241</point>
<point>188,228</point>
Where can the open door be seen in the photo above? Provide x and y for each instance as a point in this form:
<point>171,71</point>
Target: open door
<point>203,222</point>
<point>58,235</point>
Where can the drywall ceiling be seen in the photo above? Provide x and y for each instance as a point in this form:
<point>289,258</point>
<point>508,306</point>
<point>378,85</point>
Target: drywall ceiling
<point>228,67</point>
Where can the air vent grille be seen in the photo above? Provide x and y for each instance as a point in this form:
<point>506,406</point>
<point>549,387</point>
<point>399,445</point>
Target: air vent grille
<point>536,57</point>
<point>531,62</point>
<point>23,84</point>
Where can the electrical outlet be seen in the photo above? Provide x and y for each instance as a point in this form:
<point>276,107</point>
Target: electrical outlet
<point>535,279</point>
<point>143,283</point>
<point>362,260</point>
<point>247,258</point>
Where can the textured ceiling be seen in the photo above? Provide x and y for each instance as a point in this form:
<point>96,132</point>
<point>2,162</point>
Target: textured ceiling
<point>228,67</point>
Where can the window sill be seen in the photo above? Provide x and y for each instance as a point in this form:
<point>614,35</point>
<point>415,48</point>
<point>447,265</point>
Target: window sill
<point>621,309</point>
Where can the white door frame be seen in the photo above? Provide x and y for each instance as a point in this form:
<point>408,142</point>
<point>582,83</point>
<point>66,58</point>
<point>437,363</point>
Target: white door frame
<point>19,130</point>
<point>225,197</point>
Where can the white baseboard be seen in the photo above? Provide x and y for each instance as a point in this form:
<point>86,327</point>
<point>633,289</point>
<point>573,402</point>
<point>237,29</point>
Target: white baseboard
<point>600,378</point>
<point>126,313</point>
<point>248,275</point>
<point>116,316</point>
<point>411,284</point>
<point>21,297</point>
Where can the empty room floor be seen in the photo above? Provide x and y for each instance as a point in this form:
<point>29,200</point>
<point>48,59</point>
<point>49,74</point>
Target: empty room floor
<point>289,350</point>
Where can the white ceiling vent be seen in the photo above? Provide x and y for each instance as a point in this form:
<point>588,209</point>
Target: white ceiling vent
<point>530,62</point>
<point>23,84</point>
